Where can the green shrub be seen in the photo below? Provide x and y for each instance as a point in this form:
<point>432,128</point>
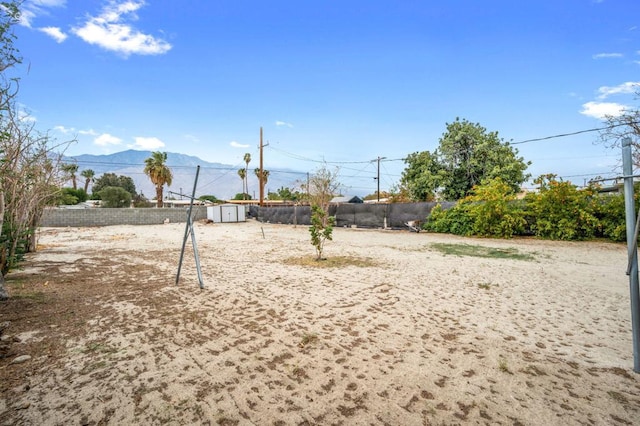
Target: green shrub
<point>560,211</point>
<point>454,220</point>
<point>493,210</point>
<point>490,211</point>
<point>70,196</point>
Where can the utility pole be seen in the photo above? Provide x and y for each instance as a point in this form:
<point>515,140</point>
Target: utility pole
<point>378,178</point>
<point>261,173</point>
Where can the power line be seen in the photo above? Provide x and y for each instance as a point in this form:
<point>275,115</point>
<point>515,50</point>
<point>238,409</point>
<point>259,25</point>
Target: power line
<point>562,135</point>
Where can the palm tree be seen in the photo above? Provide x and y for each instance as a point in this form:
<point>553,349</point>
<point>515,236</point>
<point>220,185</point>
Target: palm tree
<point>157,170</point>
<point>88,174</point>
<point>71,169</point>
<point>247,160</point>
<point>265,176</point>
<point>243,174</point>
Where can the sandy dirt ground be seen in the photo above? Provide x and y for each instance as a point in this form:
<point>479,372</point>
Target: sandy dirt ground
<point>398,334</point>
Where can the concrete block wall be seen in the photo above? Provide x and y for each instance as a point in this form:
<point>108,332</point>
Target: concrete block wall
<point>126,216</point>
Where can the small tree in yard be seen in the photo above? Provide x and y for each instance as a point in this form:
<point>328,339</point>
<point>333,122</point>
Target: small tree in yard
<point>321,229</point>
<point>323,185</point>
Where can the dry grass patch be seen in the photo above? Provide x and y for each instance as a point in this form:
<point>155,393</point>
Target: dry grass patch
<point>332,262</point>
<point>481,251</point>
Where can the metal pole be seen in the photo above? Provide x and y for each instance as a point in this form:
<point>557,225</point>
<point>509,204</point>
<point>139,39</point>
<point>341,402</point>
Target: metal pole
<point>195,255</point>
<point>630,210</point>
<point>260,178</point>
<point>378,179</point>
<point>189,228</point>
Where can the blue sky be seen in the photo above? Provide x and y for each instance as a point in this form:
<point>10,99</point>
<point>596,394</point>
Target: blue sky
<point>342,81</point>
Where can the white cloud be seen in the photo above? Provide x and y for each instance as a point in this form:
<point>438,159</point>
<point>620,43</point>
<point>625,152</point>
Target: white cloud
<point>67,130</point>
<point>284,124</point>
<point>145,144</point>
<point>26,16</point>
<point>106,139</point>
<point>110,31</point>
<point>601,110</point>
<point>55,33</point>
<point>238,145</point>
<point>624,88</point>
<point>48,3</point>
<point>64,130</point>
<point>607,55</point>
<point>31,9</point>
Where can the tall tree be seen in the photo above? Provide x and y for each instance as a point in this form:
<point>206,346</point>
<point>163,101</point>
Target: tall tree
<point>111,179</point>
<point>265,175</point>
<point>159,173</point>
<point>71,169</point>
<point>247,160</point>
<point>467,155</point>
<point>88,175</point>
<point>243,175</point>
<point>421,176</point>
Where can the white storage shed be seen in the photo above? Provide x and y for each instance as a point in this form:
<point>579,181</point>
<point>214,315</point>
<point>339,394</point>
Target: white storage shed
<point>222,213</point>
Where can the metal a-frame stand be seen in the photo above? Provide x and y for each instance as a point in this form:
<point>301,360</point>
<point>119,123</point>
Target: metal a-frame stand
<point>189,230</point>
<point>632,223</point>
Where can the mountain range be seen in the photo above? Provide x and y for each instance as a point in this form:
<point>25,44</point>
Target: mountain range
<point>220,180</point>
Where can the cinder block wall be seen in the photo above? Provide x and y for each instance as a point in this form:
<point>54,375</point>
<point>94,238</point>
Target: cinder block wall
<point>125,216</point>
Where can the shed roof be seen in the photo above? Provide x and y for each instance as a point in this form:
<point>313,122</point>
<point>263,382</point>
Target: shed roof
<point>347,199</point>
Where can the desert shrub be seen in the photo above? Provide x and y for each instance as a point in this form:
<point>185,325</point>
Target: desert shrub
<point>140,201</point>
<point>18,240</point>
<point>560,211</point>
<point>114,197</point>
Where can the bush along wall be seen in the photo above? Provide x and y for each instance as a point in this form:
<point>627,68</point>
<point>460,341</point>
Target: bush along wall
<point>558,210</point>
